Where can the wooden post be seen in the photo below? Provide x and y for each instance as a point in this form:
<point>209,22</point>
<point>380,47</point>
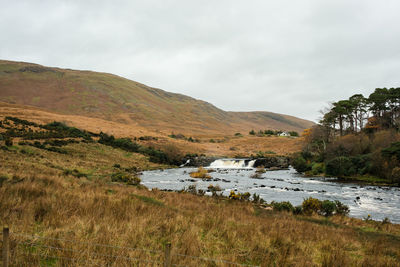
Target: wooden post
<point>6,246</point>
<point>167,259</point>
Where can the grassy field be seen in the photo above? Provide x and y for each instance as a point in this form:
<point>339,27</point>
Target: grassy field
<point>47,204</point>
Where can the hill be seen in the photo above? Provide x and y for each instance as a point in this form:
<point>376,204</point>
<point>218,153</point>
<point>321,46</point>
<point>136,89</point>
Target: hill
<point>113,98</point>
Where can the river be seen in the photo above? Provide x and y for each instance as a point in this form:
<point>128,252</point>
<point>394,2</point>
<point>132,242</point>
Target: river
<point>286,185</point>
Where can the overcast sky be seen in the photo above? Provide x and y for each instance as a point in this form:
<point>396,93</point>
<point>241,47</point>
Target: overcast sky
<point>290,57</point>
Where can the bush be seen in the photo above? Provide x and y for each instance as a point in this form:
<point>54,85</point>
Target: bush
<point>257,199</point>
<point>317,168</point>
<point>282,206</point>
<point>213,188</point>
<point>245,196</point>
<point>311,205</point>
<point>125,178</point>
<point>300,164</point>
<point>328,207</point>
<point>396,175</point>
<point>8,141</point>
<point>252,132</point>
<point>297,210</point>
<point>341,208</point>
<point>393,150</point>
<point>340,166</point>
<point>269,132</point>
<point>234,196</point>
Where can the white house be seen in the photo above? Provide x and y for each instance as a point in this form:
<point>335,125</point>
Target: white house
<point>285,134</point>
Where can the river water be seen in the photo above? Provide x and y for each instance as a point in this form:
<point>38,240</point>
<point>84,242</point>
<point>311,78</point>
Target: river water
<point>286,185</point>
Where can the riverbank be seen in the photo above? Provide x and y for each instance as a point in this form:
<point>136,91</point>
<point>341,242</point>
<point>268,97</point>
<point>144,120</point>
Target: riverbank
<point>359,179</point>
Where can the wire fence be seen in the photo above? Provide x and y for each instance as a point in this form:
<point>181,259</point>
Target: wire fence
<point>22,249</point>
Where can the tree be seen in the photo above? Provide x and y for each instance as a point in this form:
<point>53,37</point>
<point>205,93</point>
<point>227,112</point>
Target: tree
<point>342,109</point>
<point>360,109</point>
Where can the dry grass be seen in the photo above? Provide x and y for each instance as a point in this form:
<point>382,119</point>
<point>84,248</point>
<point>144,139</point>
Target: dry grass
<point>39,199</point>
<point>244,146</point>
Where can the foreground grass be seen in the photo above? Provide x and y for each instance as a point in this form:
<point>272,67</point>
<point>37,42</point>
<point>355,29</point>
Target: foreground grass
<point>39,199</point>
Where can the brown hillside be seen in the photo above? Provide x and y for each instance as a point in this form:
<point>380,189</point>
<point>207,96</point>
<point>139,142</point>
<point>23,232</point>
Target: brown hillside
<point>113,98</point>
<point>225,145</point>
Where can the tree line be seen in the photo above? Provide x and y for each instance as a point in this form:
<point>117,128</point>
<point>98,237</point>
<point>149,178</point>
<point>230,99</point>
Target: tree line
<point>356,137</point>
<point>381,110</point>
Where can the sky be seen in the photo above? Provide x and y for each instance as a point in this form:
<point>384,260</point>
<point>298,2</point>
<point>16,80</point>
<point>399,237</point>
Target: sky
<point>290,57</point>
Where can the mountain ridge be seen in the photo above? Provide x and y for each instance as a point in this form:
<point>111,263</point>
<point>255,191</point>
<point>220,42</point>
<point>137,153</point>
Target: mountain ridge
<point>115,98</point>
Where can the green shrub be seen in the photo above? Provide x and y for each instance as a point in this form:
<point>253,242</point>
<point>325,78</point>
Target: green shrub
<point>392,150</point>
<point>252,132</point>
<point>269,132</point>
<point>340,166</point>
<point>328,207</point>
<point>300,164</point>
<point>311,205</point>
<point>282,206</point>
<point>317,168</point>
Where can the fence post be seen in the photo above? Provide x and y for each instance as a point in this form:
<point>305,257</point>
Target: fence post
<point>167,256</point>
<point>6,246</point>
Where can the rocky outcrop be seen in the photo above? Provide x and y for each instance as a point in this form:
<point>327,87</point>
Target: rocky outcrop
<point>272,162</point>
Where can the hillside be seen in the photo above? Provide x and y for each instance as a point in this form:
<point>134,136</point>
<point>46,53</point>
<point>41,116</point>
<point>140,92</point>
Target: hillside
<point>75,209</point>
<point>113,98</point>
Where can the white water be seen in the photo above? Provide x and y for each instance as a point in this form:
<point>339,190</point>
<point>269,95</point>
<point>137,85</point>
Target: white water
<point>186,163</point>
<point>232,164</point>
<point>284,185</point>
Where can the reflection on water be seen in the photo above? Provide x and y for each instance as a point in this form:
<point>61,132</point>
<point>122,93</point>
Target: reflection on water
<point>287,185</point>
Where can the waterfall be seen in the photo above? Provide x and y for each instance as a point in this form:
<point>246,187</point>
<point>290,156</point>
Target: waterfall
<point>251,163</point>
<point>232,163</point>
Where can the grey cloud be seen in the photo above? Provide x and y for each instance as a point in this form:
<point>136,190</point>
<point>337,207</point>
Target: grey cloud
<point>283,56</point>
